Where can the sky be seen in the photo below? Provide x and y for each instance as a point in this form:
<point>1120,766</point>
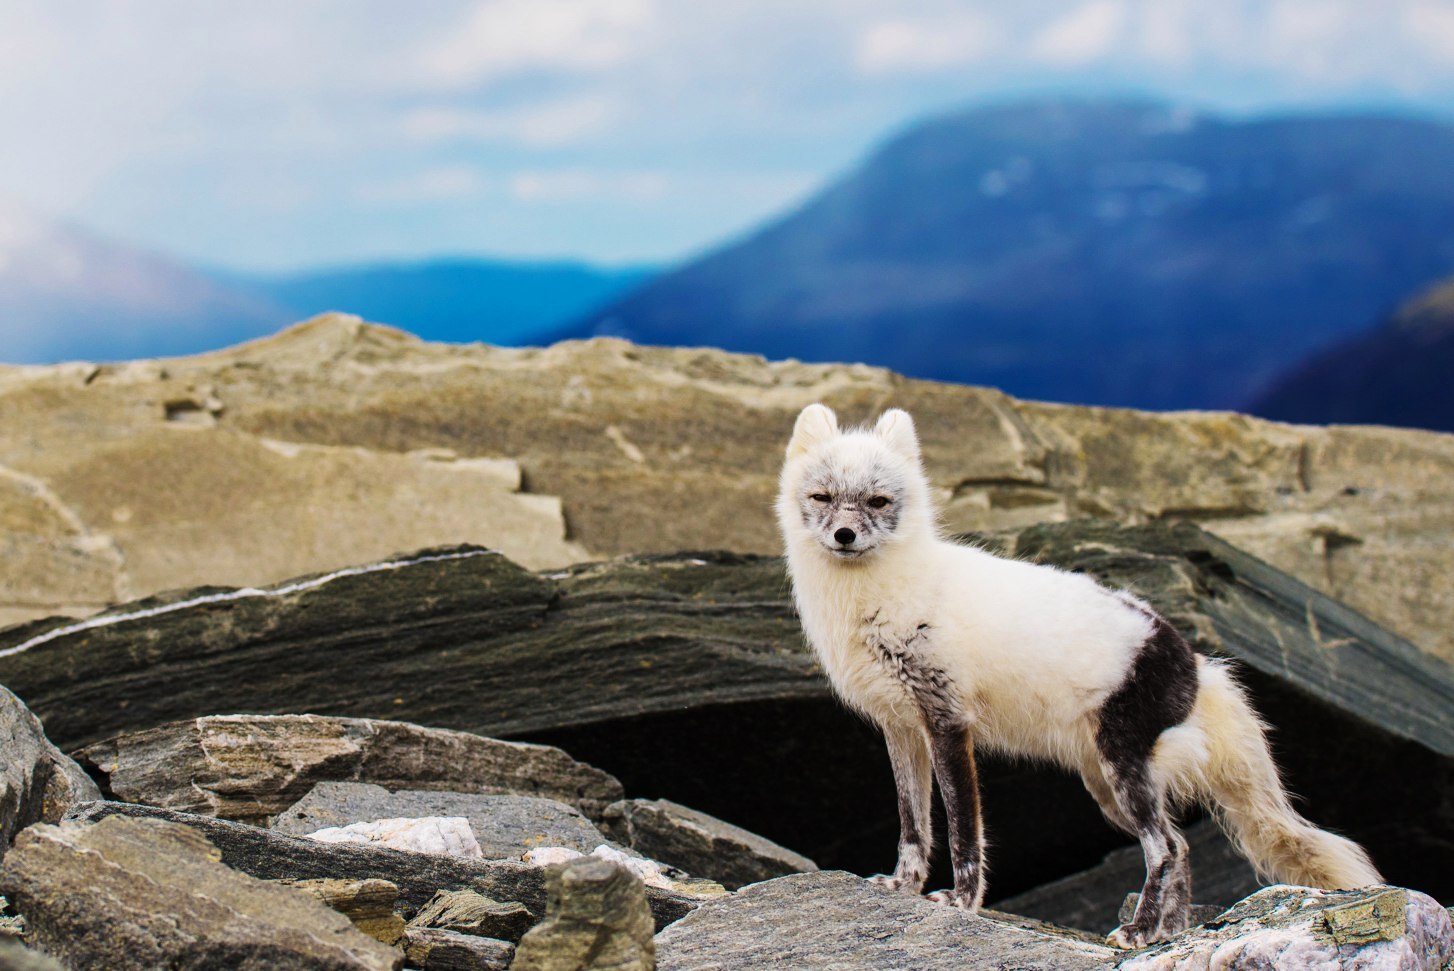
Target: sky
<point>274,135</point>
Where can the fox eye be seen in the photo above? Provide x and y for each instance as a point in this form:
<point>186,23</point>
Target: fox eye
<point>821,497</point>
<point>878,502</point>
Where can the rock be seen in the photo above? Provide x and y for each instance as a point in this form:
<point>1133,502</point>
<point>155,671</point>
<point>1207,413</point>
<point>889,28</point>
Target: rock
<point>836,920</point>
<point>467,912</point>
<point>1088,900</point>
<point>37,782</point>
<point>690,680</point>
<point>431,835</point>
<point>504,826</point>
<point>11,925</point>
<point>339,442</point>
<point>649,872</point>
<point>129,893</point>
<point>272,856</point>
<point>436,949</point>
<point>16,957</point>
<point>251,767</point>
<point>369,904</point>
<point>1376,928</point>
<point>596,920</point>
<point>698,843</point>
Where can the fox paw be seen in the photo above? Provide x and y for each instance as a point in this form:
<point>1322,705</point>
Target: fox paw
<point>953,898</point>
<point>1130,937</point>
<point>892,881</point>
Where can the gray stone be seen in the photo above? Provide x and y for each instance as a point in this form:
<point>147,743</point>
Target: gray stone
<point>273,856</point>
<point>129,893</point>
<point>1088,900</point>
<point>834,920</point>
<point>468,912</point>
<point>250,767</point>
<point>16,957</point>
<point>437,949</point>
<point>596,920</point>
<point>506,827</point>
<point>698,843</point>
<point>37,782</point>
<point>11,925</point>
<point>1373,929</point>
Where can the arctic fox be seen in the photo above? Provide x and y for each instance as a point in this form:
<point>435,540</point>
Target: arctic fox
<point>947,646</point>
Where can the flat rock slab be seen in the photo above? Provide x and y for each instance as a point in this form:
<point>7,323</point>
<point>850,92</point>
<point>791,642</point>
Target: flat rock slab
<point>838,921</point>
<point>274,856</point>
<point>37,782</point>
<point>435,949</point>
<point>252,767</point>
<point>1372,929</point>
<point>700,844</point>
<point>505,827</point>
<point>467,912</point>
<point>130,893</point>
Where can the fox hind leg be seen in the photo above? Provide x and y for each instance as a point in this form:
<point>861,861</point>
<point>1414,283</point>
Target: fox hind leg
<point>1165,902</point>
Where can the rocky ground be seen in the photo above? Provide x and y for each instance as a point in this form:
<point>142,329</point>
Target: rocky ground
<point>338,442</point>
<point>272,740</point>
<point>171,835</point>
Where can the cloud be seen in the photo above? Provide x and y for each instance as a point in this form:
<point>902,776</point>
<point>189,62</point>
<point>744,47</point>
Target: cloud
<point>546,124</point>
<point>439,184</point>
<point>504,37</point>
<point>1088,33</point>
<point>904,45</point>
<point>570,185</point>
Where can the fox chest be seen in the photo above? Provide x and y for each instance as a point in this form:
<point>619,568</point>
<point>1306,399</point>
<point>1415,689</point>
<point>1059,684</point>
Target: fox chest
<point>887,671</point>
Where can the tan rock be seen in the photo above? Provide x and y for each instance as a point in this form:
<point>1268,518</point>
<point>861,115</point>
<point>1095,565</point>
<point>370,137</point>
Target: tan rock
<point>310,449</point>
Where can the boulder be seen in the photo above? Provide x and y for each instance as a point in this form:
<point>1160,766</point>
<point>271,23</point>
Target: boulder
<point>596,920</point>
<point>468,912</point>
<point>1376,928</point>
<point>272,856</point>
<point>436,949</point>
<point>129,893</point>
<point>504,827</point>
<point>431,835</point>
<point>37,782</point>
<point>698,843</point>
<point>838,921</point>
<point>252,767</point>
<point>369,904</point>
<point>338,442</point>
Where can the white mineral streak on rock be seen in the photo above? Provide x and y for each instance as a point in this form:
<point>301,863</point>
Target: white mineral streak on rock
<point>436,835</point>
<point>240,594</point>
<point>651,872</point>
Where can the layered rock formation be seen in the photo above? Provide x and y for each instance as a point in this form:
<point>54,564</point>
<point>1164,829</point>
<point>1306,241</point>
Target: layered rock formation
<point>338,442</point>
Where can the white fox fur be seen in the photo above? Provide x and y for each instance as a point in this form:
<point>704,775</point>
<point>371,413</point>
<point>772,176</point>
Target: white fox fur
<point>1023,659</point>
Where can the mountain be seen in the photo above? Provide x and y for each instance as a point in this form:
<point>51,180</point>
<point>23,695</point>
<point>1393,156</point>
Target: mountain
<point>456,300</point>
<point>1094,252</point>
<point>65,294</point>
<point>1396,374</point>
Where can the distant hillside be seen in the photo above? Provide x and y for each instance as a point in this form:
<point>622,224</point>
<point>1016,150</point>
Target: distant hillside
<point>1107,253</point>
<point>1399,373</point>
<point>67,295</point>
<point>456,300</point>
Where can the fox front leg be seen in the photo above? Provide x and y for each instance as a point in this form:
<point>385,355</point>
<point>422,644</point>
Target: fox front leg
<point>909,756</point>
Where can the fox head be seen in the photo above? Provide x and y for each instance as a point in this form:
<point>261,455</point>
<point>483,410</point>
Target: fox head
<point>851,494</point>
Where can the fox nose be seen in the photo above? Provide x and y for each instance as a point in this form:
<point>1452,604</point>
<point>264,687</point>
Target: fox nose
<point>844,535</point>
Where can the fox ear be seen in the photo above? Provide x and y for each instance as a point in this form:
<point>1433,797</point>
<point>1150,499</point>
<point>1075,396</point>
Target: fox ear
<point>896,428</point>
<point>816,423</point>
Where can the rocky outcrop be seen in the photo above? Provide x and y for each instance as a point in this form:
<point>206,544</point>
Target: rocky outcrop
<point>272,856</point>
<point>840,921</point>
<point>698,843</point>
<point>468,912</point>
<point>505,827</point>
<point>37,782</point>
<point>143,894</point>
<point>596,920</point>
<point>1378,928</point>
<point>252,767</point>
<point>338,442</point>
<point>688,680</point>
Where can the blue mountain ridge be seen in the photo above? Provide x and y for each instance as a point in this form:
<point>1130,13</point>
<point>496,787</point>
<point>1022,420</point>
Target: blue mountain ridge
<point>1113,253</point>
